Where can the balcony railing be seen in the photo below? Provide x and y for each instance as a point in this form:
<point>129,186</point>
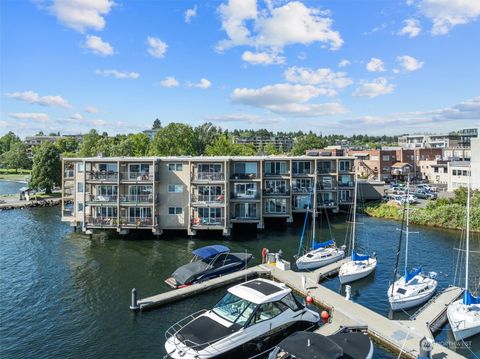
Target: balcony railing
<point>245,217</point>
<point>137,198</point>
<point>244,176</point>
<point>102,175</point>
<point>101,221</point>
<point>208,198</point>
<point>346,200</point>
<point>208,221</point>
<point>303,173</point>
<point>325,187</point>
<point>209,176</point>
<point>345,184</point>
<point>68,192</point>
<point>345,170</point>
<point>246,196</point>
<point>276,192</point>
<point>137,176</point>
<point>271,174</point>
<point>326,203</point>
<point>102,198</point>
<point>69,174</point>
<point>136,221</point>
<point>67,212</point>
<point>326,170</point>
<point>302,189</point>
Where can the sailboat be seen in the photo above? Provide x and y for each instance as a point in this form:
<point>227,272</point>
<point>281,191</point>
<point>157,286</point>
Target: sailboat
<point>464,314</point>
<point>360,265</point>
<point>320,254</point>
<point>413,288</point>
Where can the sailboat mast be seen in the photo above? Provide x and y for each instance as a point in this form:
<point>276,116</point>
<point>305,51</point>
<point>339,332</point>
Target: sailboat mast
<point>354,211</point>
<point>468,230</point>
<point>314,221</point>
<point>407,192</point>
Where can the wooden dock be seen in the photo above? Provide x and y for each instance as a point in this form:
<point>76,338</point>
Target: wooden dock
<point>400,336</point>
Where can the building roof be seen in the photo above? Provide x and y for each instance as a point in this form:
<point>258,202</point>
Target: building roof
<point>459,164</point>
<point>205,158</point>
<point>401,164</point>
<point>260,291</point>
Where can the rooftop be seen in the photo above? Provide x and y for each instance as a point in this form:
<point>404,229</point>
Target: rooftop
<point>203,158</point>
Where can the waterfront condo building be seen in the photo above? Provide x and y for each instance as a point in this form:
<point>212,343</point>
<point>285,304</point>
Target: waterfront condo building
<point>200,193</point>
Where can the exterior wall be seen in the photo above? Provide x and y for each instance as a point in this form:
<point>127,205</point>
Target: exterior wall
<point>434,171</point>
<point>200,193</point>
<point>457,175</point>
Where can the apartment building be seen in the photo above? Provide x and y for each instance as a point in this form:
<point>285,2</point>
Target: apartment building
<point>429,140</point>
<point>31,142</point>
<point>281,143</point>
<point>199,193</point>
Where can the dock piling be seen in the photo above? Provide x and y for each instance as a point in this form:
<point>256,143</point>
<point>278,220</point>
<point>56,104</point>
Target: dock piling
<point>348,292</point>
<point>134,304</point>
<point>426,346</point>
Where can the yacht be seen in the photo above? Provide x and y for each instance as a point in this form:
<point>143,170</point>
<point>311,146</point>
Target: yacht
<point>307,345</point>
<point>250,319</point>
<point>207,263</point>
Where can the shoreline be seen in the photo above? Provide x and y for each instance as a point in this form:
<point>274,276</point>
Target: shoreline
<point>40,203</point>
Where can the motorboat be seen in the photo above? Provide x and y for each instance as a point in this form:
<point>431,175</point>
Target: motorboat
<point>324,253</point>
<point>414,287</point>
<point>307,345</point>
<point>250,319</point>
<point>360,265</point>
<point>207,263</point>
<point>464,314</point>
<point>319,254</point>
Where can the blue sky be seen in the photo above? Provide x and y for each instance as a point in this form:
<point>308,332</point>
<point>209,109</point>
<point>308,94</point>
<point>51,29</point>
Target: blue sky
<point>329,66</point>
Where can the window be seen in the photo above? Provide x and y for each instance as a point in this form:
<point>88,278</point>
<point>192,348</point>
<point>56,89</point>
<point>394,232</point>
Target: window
<point>245,190</point>
<point>175,167</point>
<point>245,210</point>
<point>210,215</point>
<point>454,172</point>
<point>107,167</point>
<point>138,169</point>
<point>301,167</point>
<point>276,205</point>
<point>268,311</point>
<point>275,168</point>
<point>301,202</point>
<point>107,212</point>
<point>345,166</point>
<point>79,187</point>
<point>234,309</point>
<point>290,301</point>
<point>80,207</point>
<point>385,158</point>
<point>175,188</point>
<point>139,213</point>
<point>209,168</point>
<point>80,167</point>
<point>345,196</point>
<point>275,187</point>
<point>175,210</point>
<point>302,184</point>
<point>245,168</point>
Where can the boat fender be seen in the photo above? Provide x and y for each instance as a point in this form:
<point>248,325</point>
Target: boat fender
<point>264,253</point>
<point>324,315</point>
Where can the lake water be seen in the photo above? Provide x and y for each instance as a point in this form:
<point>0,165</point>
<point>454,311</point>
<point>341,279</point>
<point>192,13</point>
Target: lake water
<point>10,187</point>
<point>64,295</point>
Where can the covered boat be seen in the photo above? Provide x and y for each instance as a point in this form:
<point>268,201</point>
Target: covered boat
<point>207,263</point>
<point>307,345</point>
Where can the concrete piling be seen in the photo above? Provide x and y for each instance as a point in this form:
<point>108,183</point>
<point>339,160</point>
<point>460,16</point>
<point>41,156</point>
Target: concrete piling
<point>134,304</point>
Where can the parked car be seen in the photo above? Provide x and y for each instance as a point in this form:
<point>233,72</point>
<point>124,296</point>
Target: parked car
<point>412,199</point>
<point>425,194</point>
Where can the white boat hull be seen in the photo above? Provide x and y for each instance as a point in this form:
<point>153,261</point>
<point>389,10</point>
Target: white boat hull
<point>355,270</point>
<point>464,319</point>
<point>418,291</point>
<point>316,259</point>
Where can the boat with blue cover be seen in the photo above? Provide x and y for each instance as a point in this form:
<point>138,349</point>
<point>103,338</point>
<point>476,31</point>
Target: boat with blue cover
<point>207,263</point>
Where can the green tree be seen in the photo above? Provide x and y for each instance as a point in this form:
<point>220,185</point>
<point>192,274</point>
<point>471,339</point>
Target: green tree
<point>307,142</point>
<point>16,158</point>
<point>205,135</point>
<point>224,146</point>
<point>176,139</point>
<point>46,171</point>
<point>67,145</point>
<point>140,142</point>
<point>156,124</point>
<point>271,149</point>
<point>7,140</point>
<point>89,144</point>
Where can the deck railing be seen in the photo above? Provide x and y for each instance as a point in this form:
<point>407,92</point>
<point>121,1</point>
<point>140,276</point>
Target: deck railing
<point>137,176</point>
<point>102,175</point>
<point>208,221</point>
<point>276,192</point>
<point>209,176</point>
<point>102,198</point>
<point>137,198</point>
<point>244,176</point>
<point>246,196</point>
<point>208,198</point>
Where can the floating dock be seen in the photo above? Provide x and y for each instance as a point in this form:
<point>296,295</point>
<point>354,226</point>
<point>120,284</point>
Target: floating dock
<point>400,336</point>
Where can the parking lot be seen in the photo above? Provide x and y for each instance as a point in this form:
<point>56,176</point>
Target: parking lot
<point>398,193</point>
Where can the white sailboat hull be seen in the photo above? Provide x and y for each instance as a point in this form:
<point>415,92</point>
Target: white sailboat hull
<point>416,292</point>
<point>464,319</point>
<point>355,270</point>
<point>319,258</point>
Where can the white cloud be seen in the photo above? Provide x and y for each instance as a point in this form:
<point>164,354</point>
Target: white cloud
<point>409,63</point>
<point>202,84</point>
<point>34,116</point>
<point>76,117</point>
<point>287,99</point>
<point>98,46</point>
<point>118,74</point>
<point>240,117</point>
<point>169,81</point>
<point>91,109</point>
<point>190,13</point>
<point>81,15</point>
<point>157,48</point>
<point>262,58</point>
<point>275,27</point>
<point>344,63</point>
<point>375,65</point>
<point>412,28</point>
<point>323,77</point>
<point>4,124</point>
<point>377,87</point>
<point>35,98</point>
<point>446,14</point>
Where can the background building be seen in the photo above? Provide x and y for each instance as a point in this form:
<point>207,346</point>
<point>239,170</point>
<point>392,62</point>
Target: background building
<point>281,143</point>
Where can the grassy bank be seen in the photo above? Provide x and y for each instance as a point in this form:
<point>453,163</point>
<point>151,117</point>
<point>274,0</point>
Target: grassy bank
<point>442,213</point>
<point>12,175</point>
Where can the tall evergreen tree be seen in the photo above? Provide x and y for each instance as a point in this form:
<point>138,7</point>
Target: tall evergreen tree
<point>46,171</point>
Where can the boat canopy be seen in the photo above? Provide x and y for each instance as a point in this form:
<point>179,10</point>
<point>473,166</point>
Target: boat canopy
<point>358,257</point>
<point>469,298</point>
<point>316,245</point>
<point>409,275</point>
<point>306,345</point>
<point>209,251</point>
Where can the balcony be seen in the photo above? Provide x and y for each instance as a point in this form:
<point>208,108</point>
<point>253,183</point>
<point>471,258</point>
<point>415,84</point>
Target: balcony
<point>277,174</point>
<point>346,200</point>
<point>244,176</point>
<point>102,198</point>
<point>68,192</point>
<point>325,187</point>
<point>328,203</point>
<point>137,177</point>
<point>245,196</point>
<point>245,218</point>
<point>68,174</point>
<point>271,192</point>
<point>208,199</point>
<point>207,222</point>
<point>136,221</point>
<point>302,190</point>
<point>322,170</point>
<point>102,176</point>
<point>136,198</point>
<point>101,221</point>
<point>68,212</point>
<point>302,173</point>
<point>208,176</point>
<point>346,184</point>
<point>346,170</point>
